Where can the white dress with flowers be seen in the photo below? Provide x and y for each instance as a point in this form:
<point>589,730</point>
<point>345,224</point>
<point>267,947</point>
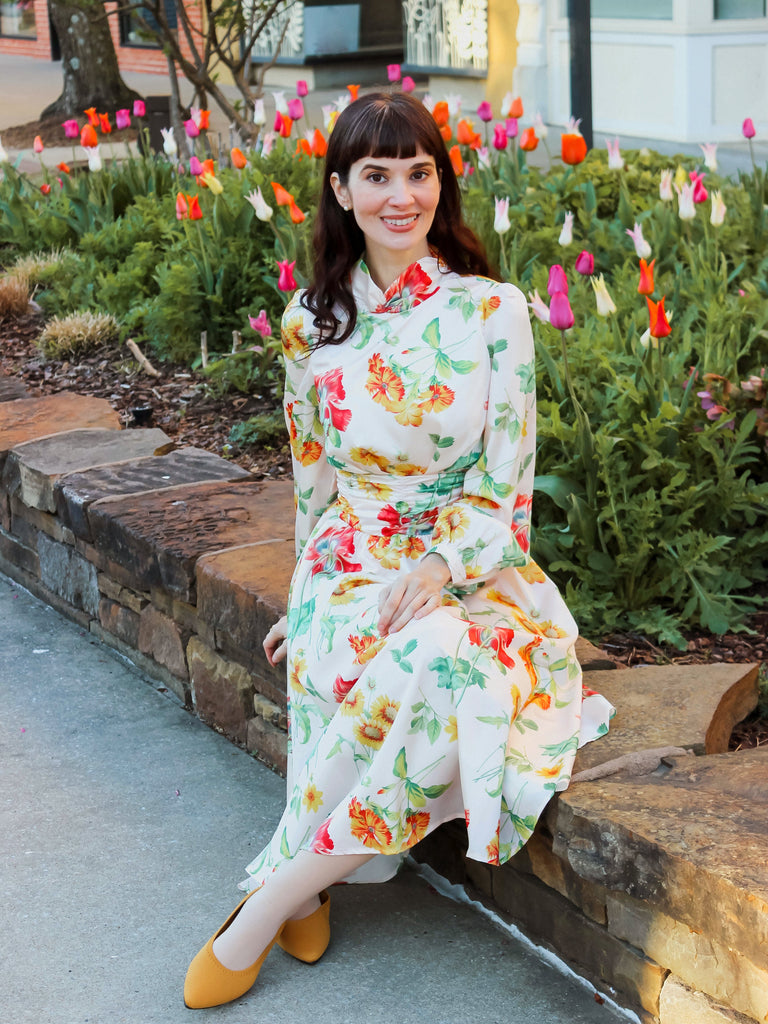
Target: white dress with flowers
<point>417,435</point>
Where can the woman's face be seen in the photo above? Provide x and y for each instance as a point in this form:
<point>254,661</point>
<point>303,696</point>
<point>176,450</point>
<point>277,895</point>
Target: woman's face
<point>393,202</point>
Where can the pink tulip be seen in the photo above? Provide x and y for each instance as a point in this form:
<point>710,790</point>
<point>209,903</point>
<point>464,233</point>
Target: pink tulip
<point>560,312</point>
<point>278,124</point>
<point>700,194</point>
<point>122,119</point>
<point>512,127</point>
<point>485,111</point>
<point>500,137</point>
<point>585,263</point>
<point>557,282</point>
<point>260,324</point>
<point>195,167</point>
<point>408,84</point>
<point>302,89</point>
<point>285,281</point>
<point>539,308</point>
<point>748,128</point>
<point>37,145</point>
<point>71,129</point>
<point>139,108</point>
<point>295,109</point>
<point>191,129</point>
<point>393,72</point>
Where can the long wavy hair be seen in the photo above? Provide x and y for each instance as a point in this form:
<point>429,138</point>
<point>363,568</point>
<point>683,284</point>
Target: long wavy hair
<point>387,126</point>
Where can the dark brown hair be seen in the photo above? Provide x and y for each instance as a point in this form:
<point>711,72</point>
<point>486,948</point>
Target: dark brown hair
<point>389,126</point>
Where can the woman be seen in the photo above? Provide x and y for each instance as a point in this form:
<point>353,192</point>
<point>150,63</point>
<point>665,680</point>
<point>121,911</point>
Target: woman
<point>430,660</point>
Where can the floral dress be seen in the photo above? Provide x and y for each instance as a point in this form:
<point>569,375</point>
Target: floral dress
<point>417,435</point>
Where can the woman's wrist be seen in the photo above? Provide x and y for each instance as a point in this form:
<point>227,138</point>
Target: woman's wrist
<point>437,567</point>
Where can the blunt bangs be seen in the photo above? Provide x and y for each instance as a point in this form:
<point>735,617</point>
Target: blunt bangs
<point>383,126</point>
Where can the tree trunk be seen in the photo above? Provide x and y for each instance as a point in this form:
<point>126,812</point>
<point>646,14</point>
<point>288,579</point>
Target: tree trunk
<point>88,59</point>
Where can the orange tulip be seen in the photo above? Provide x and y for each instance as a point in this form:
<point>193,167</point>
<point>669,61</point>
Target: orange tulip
<point>529,140</point>
<point>573,147</point>
<point>457,161</point>
<point>37,145</point>
<point>205,168</point>
<point>45,189</point>
<point>106,127</point>
<point>646,278</point>
<point>182,207</point>
<point>204,122</point>
<point>516,108</point>
<point>319,144</point>
<point>93,117</point>
<point>303,148</point>
<point>353,91</point>
<point>64,168</point>
<point>238,158</point>
<point>659,324</point>
<point>286,124</point>
<point>88,137</point>
<point>446,132</point>
<point>282,196</point>
<point>441,113</point>
<point>465,132</point>
<point>195,213</point>
<point>296,215</point>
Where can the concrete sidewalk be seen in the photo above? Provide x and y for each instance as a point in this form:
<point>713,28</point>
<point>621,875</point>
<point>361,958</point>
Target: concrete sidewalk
<point>125,825</point>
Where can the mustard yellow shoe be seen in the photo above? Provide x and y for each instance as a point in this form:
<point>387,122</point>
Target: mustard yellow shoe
<point>210,983</point>
<point>307,939</point>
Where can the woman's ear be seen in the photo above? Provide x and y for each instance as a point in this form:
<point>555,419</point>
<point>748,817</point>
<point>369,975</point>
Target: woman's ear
<point>340,191</point>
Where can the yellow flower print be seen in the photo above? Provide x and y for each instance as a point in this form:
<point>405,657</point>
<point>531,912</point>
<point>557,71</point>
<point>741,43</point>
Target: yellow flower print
<point>417,825</point>
<point>478,502</point>
<point>412,547</point>
<point>551,773</point>
<point>451,524</point>
<point>368,827</point>
<point>346,512</point>
<point>410,414</point>
<point>531,572</point>
<point>488,306</point>
<point>385,552</point>
<point>371,734</point>
<point>313,798</point>
<point>373,488</point>
<point>369,457</point>
<point>298,668</point>
<point>437,398</point>
<point>403,468</point>
<point>383,384</point>
<point>352,705</point>
<point>308,452</point>
<point>452,729</point>
<point>345,591</point>
<point>365,647</point>
<point>292,333</point>
<point>385,709</point>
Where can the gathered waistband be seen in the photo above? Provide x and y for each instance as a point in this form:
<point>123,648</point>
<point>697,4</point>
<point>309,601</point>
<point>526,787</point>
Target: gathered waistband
<point>388,505</point>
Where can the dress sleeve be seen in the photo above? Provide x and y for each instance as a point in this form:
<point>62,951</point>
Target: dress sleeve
<point>314,480</point>
<point>487,529</point>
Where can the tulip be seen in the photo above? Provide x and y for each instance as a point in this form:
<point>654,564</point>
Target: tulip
<point>457,161</point>
<point>169,143</point>
<point>501,223</point>
<point>191,128</point>
<point>538,306</point>
<point>302,89</point>
<point>748,128</point>
<point>512,127</point>
<point>700,194</point>
<point>709,149</point>
<point>560,312</point>
<point>37,145</point>
<point>428,101</point>
<point>295,109</point>
<point>139,108</point>
<point>665,187</point>
<point>122,119</point>
<point>3,155</point>
<point>45,189</point>
<point>342,102</point>
<point>207,168</point>
<point>318,144</point>
<point>93,117</point>
<point>282,196</point>
<point>557,282</point>
<point>506,105</point>
<point>718,209</point>
<point>353,90</point>
<point>446,133</point>
<point>645,287</point>
<point>485,111</point>
<point>528,140</point>
<point>605,304</point>
<point>285,281</point>
<point>64,168</point>
<point>267,144</point>
<point>499,137</point>
<point>238,158</point>
<point>483,157</point>
<point>393,72</point>
<point>203,118</point>
<point>441,114</point>
<point>281,105</point>
<point>303,148</point>
<point>71,129</point>
<point>454,104</point>
<point>465,132</point>
<point>106,127</point>
<point>259,114</point>
<point>515,108</point>
<point>88,137</point>
<point>260,324</point>
<point>212,182</point>
<point>615,159</point>
<point>182,207</point>
<point>195,167</point>
<point>686,210</point>
<point>585,263</point>
<point>659,324</point>
<point>94,158</point>
<point>642,249</point>
<point>407,84</point>
<point>263,210</point>
<point>285,129</point>
<point>681,176</point>
<point>540,128</point>
<point>296,215</point>
<point>573,147</point>
<point>195,213</point>
<point>566,235</point>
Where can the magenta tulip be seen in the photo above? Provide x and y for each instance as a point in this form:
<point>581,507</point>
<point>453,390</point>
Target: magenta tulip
<point>393,72</point>
<point>195,167</point>
<point>191,129</point>
<point>302,89</point>
<point>560,312</point>
<point>585,263</point>
<point>499,137</point>
<point>285,282</point>
<point>260,324</point>
<point>71,129</point>
<point>557,282</point>
<point>139,108</point>
<point>748,128</point>
<point>122,119</point>
<point>295,109</point>
<point>485,111</point>
<point>408,84</point>
<point>512,127</point>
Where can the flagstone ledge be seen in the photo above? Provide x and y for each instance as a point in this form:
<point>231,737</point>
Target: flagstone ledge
<point>648,875</point>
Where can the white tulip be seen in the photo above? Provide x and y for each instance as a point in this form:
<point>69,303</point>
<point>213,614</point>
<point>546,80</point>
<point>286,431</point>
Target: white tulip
<point>169,143</point>
<point>566,235</point>
<point>94,159</point>
<point>665,186</point>
<point>501,222</point>
<point>718,209</point>
<point>259,114</point>
<point>263,210</point>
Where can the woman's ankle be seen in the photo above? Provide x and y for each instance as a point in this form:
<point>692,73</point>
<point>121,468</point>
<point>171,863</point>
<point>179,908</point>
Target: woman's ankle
<point>307,908</point>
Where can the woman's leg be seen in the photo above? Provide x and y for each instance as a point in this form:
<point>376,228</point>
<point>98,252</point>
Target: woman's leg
<point>285,894</point>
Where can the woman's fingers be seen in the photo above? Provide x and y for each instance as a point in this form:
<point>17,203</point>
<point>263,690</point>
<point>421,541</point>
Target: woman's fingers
<point>275,644</point>
<point>404,599</point>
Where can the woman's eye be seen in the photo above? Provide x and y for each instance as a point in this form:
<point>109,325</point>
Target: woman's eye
<point>376,177</point>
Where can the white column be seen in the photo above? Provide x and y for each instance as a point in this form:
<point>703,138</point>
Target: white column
<point>530,74</point>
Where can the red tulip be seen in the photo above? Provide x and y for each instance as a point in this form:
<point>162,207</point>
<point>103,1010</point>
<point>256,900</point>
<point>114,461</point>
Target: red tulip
<point>529,140</point>
<point>88,137</point>
<point>182,207</point>
<point>500,137</point>
<point>303,148</point>
<point>106,127</point>
<point>45,189</point>
<point>285,128</point>
<point>646,278</point>
<point>516,108</point>
<point>353,91</point>
<point>573,147</point>
<point>659,324</point>
<point>282,196</point>
<point>64,168</point>
<point>446,133</point>
<point>296,215</point>
<point>285,281</point>
<point>93,117</point>
<point>204,120</point>
<point>319,144</point>
<point>195,213</point>
<point>37,145</point>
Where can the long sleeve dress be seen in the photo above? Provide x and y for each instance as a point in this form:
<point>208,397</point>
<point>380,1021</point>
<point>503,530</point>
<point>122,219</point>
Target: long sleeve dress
<point>417,435</point>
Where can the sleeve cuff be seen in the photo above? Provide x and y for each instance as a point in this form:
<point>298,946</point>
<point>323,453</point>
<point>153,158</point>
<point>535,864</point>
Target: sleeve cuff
<point>452,559</point>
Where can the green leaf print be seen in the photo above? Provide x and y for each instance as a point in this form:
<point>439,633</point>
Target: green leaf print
<point>433,792</point>
<point>302,498</point>
<point>443,365</point>
<point>496,720</point>
<point>456,673</point>
<point>500,345</point>
<point>432,334</point>
<point>433,730</point>
<point>284,848</point>
<point>559,749</point>
<point>462,366</point>
<point>527,374</point>
<point>415,794</point>
<point>300,619</point>
<point>400,768</point>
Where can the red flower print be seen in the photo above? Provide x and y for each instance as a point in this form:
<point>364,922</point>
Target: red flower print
<point>330,393</point>
<point>497,639</point>
<point>333,551</point>
<point>368,827</point>
<point>521,518</point>
<point>322,843</point>
<point>410,289</point>
<point>341,687</point>
<point>366,647</point>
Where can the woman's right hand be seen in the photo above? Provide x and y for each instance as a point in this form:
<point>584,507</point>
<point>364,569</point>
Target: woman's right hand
<point>275,644</point>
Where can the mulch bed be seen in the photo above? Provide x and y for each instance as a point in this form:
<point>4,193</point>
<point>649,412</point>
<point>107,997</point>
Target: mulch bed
<point>179,402</point>
<point>51,132</point>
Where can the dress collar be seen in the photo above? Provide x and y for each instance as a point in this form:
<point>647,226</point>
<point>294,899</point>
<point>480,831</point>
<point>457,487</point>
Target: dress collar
<point>417,283</point>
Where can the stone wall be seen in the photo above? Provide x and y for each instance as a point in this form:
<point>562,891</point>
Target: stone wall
<point>647,876</point>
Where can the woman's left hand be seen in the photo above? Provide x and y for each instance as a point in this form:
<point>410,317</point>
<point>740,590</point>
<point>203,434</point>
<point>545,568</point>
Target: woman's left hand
<point>413,596</point>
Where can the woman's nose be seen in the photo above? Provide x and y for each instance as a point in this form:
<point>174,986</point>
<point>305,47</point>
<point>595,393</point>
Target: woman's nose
<point>400,192</point>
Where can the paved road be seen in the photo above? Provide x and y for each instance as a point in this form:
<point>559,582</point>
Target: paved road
<point>124,827</point>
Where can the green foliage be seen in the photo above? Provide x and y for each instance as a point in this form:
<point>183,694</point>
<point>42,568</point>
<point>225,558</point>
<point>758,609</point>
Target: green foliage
<point>266,430</point>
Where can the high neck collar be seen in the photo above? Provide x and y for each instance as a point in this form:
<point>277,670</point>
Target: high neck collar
<point>417,283</point>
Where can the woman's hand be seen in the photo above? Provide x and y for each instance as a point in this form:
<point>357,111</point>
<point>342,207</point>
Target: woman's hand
<point>413,596</point>
<point>275,644</point>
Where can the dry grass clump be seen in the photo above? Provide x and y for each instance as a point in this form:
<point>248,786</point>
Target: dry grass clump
<point>77,334</point>
<point>14,294</point>
<point>33,264</point>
